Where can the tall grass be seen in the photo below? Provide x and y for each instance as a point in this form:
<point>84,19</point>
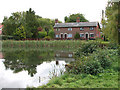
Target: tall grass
<point>65,44</point>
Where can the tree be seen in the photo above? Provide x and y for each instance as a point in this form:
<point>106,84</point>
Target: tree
<point>73,17</point>
<point>77,36</point>
<point>13,22</point>
<point>111,24</point>
<point>51,34</point>
<point>42,34</point>
<point>20,33</point>
<point>31,24</point>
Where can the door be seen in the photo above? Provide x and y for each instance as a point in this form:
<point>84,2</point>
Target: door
<point>61,36</point>
<point>86,36</point>
<point>65,36</point>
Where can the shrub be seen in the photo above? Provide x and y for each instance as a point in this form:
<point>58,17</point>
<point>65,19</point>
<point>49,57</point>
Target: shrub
<point>86,65</point>
<point>42,34</point>
<point>86,49</point>
<point>93,64</point>
<point>112,46</point>
<point>47,38</point>
<point>51,34</point>
<point>6,37</point>
<point>77,36</point>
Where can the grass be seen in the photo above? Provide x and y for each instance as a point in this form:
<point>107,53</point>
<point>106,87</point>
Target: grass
<point>103,80</point>
<point>71,45</point>
<point>108,79</point>
<point>40,44</point>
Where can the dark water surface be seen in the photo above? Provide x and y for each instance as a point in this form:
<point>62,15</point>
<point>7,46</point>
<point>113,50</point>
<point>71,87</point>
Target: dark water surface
<point>20,69</point>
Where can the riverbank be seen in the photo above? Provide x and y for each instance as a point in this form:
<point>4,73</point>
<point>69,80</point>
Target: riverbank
<point>96,71</point>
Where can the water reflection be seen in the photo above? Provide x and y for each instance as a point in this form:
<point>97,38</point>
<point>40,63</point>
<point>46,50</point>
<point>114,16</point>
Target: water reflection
<point>31,67</point>
<point>26,60</point>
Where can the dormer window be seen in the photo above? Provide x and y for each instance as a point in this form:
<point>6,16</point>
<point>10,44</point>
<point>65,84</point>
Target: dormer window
<point>81,28</point>
<point>57,29</point>
<point>91,28</point>
<point>69,29</point>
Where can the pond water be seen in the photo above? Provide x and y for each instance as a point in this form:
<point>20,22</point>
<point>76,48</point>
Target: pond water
<point>21,69</point>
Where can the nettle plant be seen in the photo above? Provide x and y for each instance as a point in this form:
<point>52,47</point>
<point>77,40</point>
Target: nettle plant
<point>86,49</point>
<point>93,64</point>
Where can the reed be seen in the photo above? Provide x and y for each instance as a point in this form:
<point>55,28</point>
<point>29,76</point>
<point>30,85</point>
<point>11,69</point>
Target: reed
<point>70,44</point>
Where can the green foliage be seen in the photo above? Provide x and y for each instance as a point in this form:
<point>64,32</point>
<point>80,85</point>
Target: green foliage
<point>73,17</point>
<point>102,80</point>
<point>86,49</point>
<point>32,24</point>
<point>20,33</point>
<point>47,37</point>
<point>93,64</point>
<point>42,34</point>
<point>110,28</point>
<point>77,36</point>
<point>6,37</point>
<point>51,34</point>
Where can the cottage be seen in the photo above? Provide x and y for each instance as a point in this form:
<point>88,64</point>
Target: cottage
<point>86,30</point>
<point>1,28</point>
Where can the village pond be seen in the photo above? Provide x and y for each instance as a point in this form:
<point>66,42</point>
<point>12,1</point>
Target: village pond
<point>31,68</point>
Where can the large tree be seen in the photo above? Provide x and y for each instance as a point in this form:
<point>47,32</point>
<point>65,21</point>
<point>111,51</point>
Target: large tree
<point>73,17</point>
<point>31,24</point>
<point>110,28</point>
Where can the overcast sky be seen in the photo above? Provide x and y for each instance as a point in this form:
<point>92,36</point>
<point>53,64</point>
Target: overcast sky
<point>92,9</point>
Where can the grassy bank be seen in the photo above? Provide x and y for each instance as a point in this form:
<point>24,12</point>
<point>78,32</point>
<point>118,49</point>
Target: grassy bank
<point>103,80</point>
<point>93,68</point>
<point>107,79</point>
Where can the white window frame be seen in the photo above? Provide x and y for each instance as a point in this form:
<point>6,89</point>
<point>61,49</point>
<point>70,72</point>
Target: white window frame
<point>93,34</point>
<point>69,35</point>
<point>91,28</point>
<point>82,33</point>
<point>69,29</point>
<point>81,28</point>
<point>57,36</point>
<point>57,29</point>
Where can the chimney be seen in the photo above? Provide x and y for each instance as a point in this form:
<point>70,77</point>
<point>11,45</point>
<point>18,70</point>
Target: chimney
<point>56,20</point>
<point>78,19</point>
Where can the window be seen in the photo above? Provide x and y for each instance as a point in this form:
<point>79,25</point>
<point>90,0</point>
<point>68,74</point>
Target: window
<point>69,35</point>
<point>81,35</point>
<point>69,29</point>
<point>91,28</point>
<point>57,29</point>
<point>81,28</point>
<point>57,36</point>
<point>91,35</point>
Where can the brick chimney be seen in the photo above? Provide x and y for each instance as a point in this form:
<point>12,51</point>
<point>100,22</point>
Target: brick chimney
<point>78,19</point>
<point>56,20</point>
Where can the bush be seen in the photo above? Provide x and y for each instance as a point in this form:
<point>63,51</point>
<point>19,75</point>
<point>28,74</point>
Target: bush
<point>42,34</point>
<point>112,46</point>
<point>93,64</point>
<point>51,34</point>
<point>77,36</point>
<point>6,37</point>
<point>47,38</point>
<point>85,65</point>
<point>86,49</point>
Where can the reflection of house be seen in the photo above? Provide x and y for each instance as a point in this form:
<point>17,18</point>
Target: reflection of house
<point>1,55</point>
<point>86,30</point>
<point>66,56</point>
<point>1,28</point>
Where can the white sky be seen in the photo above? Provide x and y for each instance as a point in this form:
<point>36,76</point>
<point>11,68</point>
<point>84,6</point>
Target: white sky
<point>92,9</point>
